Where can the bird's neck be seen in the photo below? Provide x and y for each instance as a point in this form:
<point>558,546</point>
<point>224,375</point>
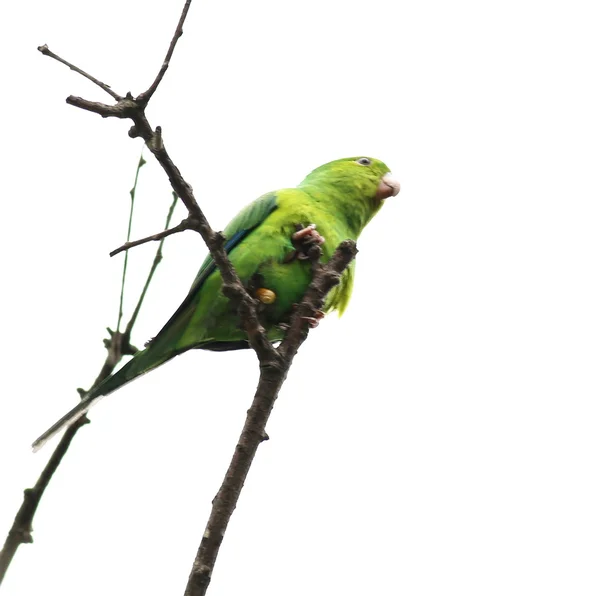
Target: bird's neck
<point>344,202</point>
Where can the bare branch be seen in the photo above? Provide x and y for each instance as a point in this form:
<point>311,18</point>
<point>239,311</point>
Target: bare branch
<point>325,277</point>
<point>273,372</point>
<point>132,193</point>
<point>144,97</point>
<point>47,52</point>
<point>186,224</point>
<point>157,259</point>
<point>274,363</point>
<point>232,286</point>
<point>20,532</point>
<point>119,110</point>
<point>117,346</point>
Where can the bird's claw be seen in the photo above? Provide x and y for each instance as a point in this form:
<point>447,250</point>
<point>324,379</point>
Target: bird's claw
<point>308,234</point>
<point>303,239</point>
<point>315,319</point>
<point>313,322</point>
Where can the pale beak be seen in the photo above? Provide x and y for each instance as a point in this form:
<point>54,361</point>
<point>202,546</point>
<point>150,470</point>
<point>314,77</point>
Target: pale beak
<point>388,187</point>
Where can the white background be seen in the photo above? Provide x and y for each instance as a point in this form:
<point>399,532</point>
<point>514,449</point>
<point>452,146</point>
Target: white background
<point>442,437</point>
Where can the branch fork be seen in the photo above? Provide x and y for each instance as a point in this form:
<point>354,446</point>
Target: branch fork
<point>274,362</point>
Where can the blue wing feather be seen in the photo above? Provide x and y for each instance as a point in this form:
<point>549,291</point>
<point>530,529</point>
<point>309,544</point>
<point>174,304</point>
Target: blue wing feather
<point>238,228</point>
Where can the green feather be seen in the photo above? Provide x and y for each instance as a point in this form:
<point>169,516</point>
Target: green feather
<point>339,197</point>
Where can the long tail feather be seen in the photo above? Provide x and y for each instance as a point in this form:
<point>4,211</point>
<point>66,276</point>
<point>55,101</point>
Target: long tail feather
<point>140,364</point>
<point>77,412</point>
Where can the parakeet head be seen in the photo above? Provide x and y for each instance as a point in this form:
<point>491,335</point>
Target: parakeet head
<point>357,186</point>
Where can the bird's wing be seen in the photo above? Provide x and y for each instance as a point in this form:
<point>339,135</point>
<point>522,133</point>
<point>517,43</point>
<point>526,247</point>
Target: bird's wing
<point>249,218</point>
<point>164,346</point>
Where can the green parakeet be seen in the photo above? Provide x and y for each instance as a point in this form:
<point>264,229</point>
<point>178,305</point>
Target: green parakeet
<point>265,243</point>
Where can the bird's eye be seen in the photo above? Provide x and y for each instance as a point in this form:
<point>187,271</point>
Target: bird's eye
<point>364,161</point>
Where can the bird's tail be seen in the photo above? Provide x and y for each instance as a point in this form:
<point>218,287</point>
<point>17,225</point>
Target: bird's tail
<point>140,364</point>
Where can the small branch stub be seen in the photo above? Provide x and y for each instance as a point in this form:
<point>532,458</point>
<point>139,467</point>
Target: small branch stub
<point>44,49</point>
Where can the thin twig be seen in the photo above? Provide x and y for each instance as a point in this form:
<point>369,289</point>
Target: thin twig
<point>21,530</point>
<point>272,376</point>
<point>157,259</point>
<point>144,98</point>
<point>47,52</point>
<point>119,110</point>
<point>129,107</point>
<point>117,346</point>
<point>186,224</point>
<point>141,162</point>
<point>232,286</point>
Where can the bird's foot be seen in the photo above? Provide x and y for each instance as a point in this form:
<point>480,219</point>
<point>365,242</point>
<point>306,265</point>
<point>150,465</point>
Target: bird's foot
<point>312,321</point>
<point>309,234</point>
<point>304,239</point>
<point>315,320</point>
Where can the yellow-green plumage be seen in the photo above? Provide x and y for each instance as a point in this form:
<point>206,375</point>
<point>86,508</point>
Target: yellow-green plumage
<point>339,197</point>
